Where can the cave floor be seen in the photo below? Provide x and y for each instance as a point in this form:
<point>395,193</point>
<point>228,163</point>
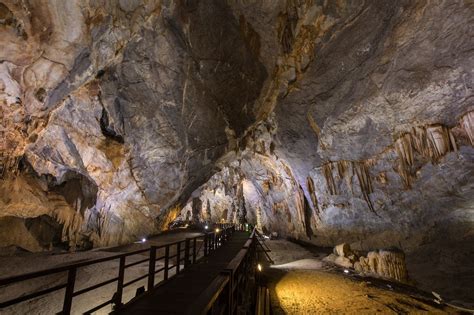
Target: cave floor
<point>301,283</point>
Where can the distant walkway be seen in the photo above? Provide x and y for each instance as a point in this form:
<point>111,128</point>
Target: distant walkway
<point>176,295</point>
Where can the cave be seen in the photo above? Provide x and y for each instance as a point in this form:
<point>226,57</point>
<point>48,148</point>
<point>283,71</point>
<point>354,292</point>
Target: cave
<point>340,132</point>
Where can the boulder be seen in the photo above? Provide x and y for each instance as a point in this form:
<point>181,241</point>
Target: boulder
<point>339,260</point>
<point>343,262</point>
<point>343,250</point>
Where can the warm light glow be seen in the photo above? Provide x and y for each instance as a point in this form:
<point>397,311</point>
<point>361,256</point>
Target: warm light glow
<point>259,267</point>
<point>346,271</point>
<point>217,230</point>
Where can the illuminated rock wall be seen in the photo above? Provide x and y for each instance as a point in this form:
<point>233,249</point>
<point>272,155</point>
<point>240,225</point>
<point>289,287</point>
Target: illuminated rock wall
<point>113,112</point>
<point>327,121</point>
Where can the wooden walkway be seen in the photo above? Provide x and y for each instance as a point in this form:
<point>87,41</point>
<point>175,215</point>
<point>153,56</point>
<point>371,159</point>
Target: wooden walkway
<point>178,294</point>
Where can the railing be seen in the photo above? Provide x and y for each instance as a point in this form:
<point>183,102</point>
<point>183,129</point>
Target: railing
<point>185,251</point>
<point>234,287</point>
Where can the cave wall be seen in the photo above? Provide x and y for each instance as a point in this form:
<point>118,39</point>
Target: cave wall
<point>371,103</point>
<point>391,77</point>
<point>326,121</point>
<point>122,100</point>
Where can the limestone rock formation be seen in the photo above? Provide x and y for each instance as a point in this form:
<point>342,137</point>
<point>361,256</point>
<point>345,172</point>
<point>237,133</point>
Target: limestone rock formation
<point>384,263</point>
<point>343,250</point>
<point>324,121</point>
<point>124,100</point>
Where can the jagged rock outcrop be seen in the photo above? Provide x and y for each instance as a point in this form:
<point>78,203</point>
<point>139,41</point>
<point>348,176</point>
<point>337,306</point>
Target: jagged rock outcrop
<point>325,121</point>
<point>254,186</point>
<point>384,263</point>
<point>128,97</point>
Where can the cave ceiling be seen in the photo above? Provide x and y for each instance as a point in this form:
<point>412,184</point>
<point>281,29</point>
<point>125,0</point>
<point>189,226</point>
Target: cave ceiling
<point>320,120</point>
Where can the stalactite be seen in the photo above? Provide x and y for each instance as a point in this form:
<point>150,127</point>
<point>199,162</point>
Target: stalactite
<point>429,142</point>
<point>64,214</point>
<point>438,139</point>
<point>345,172</point>
<point>341,168</point>
<point>312,194</point>
<point>299,202</point>
<point>363,175</point>
<point>327,170</point>
<point>419,141</point>
<point>404,148</point>
<point>467,124</point>
<point>453,141</point>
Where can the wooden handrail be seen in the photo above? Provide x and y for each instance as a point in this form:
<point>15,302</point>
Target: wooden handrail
<point>238,270</point>
<point>206,300</point>
<point>47,272</point>
<point>117,299</point>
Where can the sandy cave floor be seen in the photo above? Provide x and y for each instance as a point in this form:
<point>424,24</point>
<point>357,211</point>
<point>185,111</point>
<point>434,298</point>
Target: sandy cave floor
<point>301,283</point>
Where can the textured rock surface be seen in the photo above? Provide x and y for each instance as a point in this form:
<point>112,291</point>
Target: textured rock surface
<point>325,121</point>
<point>385,263</point>
<point>124,99</point>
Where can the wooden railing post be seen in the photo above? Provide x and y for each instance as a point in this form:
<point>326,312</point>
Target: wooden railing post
<point>167,262</point>
<point>151,268</point>
<point>186,252</point>
<point>71,279</point>
<point>121,275</point>
<point>178,256</point>
<point>194,250</point>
